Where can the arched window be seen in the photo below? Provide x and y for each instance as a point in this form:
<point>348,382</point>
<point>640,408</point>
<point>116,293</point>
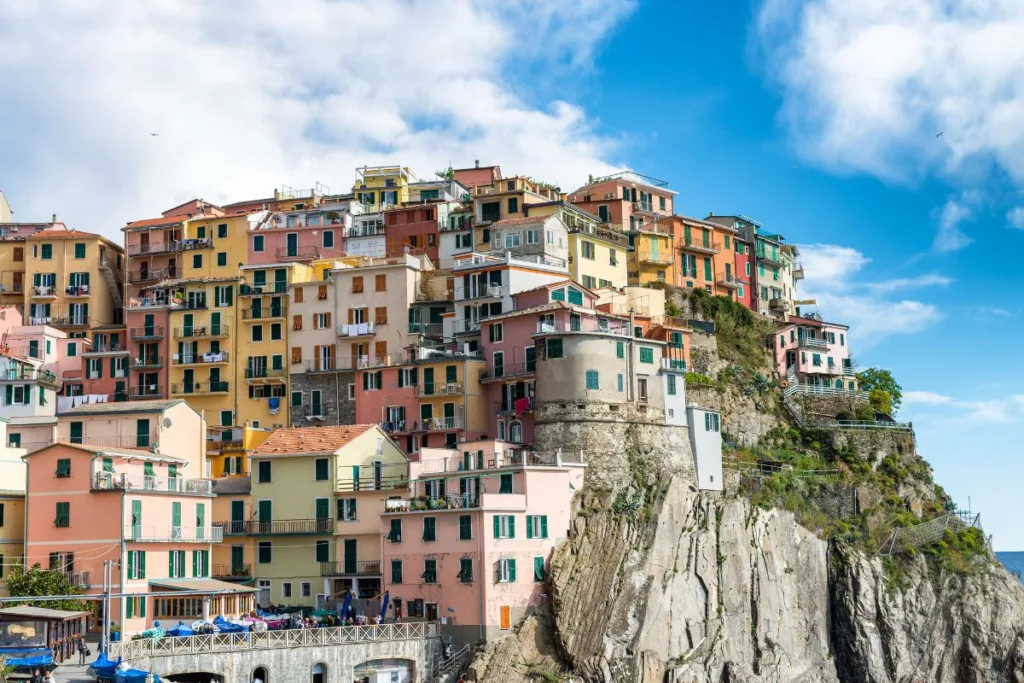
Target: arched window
<point>319,673</point>
<point>515,432</point>
<point>259,675</point>
<point>839,384</point>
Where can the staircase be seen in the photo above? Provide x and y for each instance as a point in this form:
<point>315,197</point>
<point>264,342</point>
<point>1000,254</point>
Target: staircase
<point>113,283</point>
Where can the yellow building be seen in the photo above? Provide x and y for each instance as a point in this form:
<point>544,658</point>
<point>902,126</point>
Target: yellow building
<point>12,505</point>
<point>508,198</point>
<point>452,405</point>
<point>597,257</point>
<point>65,278</point>
<point>313,546</point>
<point>381,187</point>
<point>653,255</point>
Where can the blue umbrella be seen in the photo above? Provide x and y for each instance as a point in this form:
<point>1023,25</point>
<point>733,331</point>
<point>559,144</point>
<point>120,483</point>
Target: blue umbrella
<point>347,604</point>
<point>384,606</point>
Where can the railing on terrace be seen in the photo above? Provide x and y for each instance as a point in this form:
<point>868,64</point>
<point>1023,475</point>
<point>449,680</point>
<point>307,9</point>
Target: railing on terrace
<point>265,373</point>
<point>587,325</point>
<point>151,332</point>
<point>199,388</point>
<point>466,326</point>
<point>520,405</point>
<point>146,391</point>
<point>357,329</point>
<point>811,342</point>
<point>342,568</point>
<point>200,358</point>
<point>435,424</point>
<point>328,364</point>
<point>509,370</point>
<point>107,347</point>
<point>519,457</point>
<point>249,289</point>
<point>702,246</point>
<point>77,290</point>
<point>440,389</point>
<point>28,374</point>
<point>151,274</point>
<point>148,362</point>
<point>488,291</point>
<point>821,391</point>
<point>662,258</point>
<point>167,534</point>
<point>452,501</point>
<point>373,484</point>
<point>253,527</point>
<point>427,329</point>
<point>873,424</point>
<point>131,650</point>
<point>298,254</point>
<point>232,571</point>
<point>730,280</point>
<point>70,321</point>
<point>109,481</point>
<point>264,313</point>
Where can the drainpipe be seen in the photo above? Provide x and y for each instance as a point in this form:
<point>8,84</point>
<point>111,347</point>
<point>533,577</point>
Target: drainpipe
<point>120,565</point>
<point>630,370</point>
<point>337,349</point>
<point>235,302</point>
<point>480,591</point>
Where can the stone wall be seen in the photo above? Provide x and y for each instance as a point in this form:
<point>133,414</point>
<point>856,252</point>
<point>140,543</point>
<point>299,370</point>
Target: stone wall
<point>333,386</point>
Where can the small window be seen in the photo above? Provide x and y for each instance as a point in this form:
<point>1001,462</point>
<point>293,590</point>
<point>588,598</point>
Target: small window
<point>79,250</point>
<point>554,348</point>
<point>671,384</point>
<point>592,383</point>
<point>64,468</point>
<point>222,258</point>
<point>429,571</point>
<point>263,471</point>
<point>197,260</point>
<point>506,571</point>
<point>321,469</point>
<point>621,383</point>
<point>47,252</point>
<point>257,243</point>
<point>222,230</point>
<point>264,552</point>
<point>328,239</point>
<point>286,590</point>
<point>539,573</point>
<point>620,349</point>
<point>257,333</point>
<point>646,354</point>
<point>396,571</point>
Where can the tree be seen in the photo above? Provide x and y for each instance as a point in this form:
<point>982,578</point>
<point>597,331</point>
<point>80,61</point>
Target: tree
<point>38,582</point>
<point>881,401</point>
<point>880,379</point>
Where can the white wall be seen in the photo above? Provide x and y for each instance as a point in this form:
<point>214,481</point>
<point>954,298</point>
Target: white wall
<point>707,449</point>
<point>366,246</point>
<point>675,406</point>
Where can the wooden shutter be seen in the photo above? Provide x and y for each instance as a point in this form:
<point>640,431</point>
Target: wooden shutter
<point>296,354</point>
<point>351,316</point>
<point>381,283</point>
<point>298,295</point>
<point>380,348</point>
<point>327,318</point>
<point>380,315</point>
<point>316,356</point>
<point>296,322</point>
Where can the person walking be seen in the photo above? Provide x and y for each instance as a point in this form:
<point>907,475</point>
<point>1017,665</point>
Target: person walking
<point>37,676</point>
<point>82,650</point>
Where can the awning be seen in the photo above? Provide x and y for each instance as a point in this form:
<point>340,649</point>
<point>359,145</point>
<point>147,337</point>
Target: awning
<point>207,585</point>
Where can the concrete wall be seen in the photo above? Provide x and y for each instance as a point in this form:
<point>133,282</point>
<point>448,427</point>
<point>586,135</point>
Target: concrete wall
<point>706,442</point>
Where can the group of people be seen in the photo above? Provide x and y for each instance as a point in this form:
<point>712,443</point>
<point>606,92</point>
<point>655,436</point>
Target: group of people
<point>42,676</point>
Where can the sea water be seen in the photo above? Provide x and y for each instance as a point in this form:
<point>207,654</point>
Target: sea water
<point>1012,561</point>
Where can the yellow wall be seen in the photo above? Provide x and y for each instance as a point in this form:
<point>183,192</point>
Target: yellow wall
<point>12,535</point>
<point>641,270</point>
<point>375,179</point>
<point>599,267</point>
<point>63,262</point>
<point>221,556</point>
<point>470,404</point>
<point>8,266</point>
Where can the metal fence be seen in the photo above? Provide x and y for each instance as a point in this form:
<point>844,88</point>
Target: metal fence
<point>928,532</point>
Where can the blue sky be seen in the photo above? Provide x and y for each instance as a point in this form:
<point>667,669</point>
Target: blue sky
<point>817,117</point>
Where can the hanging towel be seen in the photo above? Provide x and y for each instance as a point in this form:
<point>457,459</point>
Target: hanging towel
<point>274,403</point>
<point>522,405</point>
<point>65,403</point>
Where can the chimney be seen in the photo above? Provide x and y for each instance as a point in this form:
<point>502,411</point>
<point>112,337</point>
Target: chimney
<point>712,213</point>
<point>54,219</point>
<point>477,162</point>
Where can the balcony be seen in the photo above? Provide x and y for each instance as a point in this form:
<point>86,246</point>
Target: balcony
<point>44,292</point>
<point>345,568</point>
<point>266,374</point>
<point>427,329</point>
<point>151,332</point>
<point>203,332</point>
<point>778,304</point>
<point>729,281</point>
<point>263,289</point>
<point>70,321</point>
<point>357,330</point>
<point>148,362</point>
<point>76,291</point>
<point>452,501</point>
<point>486,291</point>
<point>298,254</point>
<point>441,424</point>
<point>585,326</point>
<point>105,347</point>
<point>373,484</point>
<point>173,534</point>
<point>327,364</point>
<point>439,389</point>
<point>508,371</point>
<point>106,481</point>
<point>169,247</point>
<point>655,258</point>
<point>775,259</point>
<point>219,358</point>
<point>15,288</point>
<point>707,246</point>
<point>151,275</point>
<point>199,388</point>
<point>798,271</point>
<point>144,302</point>
<point>80,579</point>
<point>810,342</point>
<point>465,326</point>
<point>232,572</point>
<point>190,304</point>
<point>286,527</point>
<point>26,373</point>
<point>674,364</point>
<point>517,406</point>
<point>144,391</point>
<point>261,314</point>
<point>395,426</point>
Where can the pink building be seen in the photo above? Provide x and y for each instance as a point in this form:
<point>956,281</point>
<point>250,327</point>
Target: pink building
<point>626,199</point>
<point>414,228</point>
<point>312,229</point>
<point>104,364</point>
<point>814,353</point>
<point>744,272</point>
<point>472,540</point>
<point>89,504</point>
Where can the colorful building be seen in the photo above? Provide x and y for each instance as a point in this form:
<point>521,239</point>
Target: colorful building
<point>382,187</point>
<point>12,505</point>
<point>598,257</point>
<point>30,357</point>
<point>630,201</point>
<point>307,227</point>
<point>471,540</point>
<point>104,365</point>
<point>652,257</point>
<point>813,353</point>
<point>311,547</point>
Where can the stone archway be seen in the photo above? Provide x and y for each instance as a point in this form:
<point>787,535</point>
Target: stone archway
<point>319,673</point>
<point>193,677</point>
<point>260,675</point>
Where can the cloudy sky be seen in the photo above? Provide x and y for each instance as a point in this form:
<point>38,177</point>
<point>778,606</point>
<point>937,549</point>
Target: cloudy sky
<point>886,137</point>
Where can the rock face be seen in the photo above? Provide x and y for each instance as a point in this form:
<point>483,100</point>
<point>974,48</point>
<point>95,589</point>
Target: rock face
<point>710,589</point>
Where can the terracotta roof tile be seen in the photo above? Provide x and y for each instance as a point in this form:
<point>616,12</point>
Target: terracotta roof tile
<point>310,439</point>
<point>153,222</point>
<point>62,235</point>
<point>521,221</point>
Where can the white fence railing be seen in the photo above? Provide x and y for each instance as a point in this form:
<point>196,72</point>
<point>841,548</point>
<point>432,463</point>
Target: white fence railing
<point>272,640</point>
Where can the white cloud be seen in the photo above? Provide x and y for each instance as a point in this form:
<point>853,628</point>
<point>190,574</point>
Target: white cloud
<point>925,397</point>
<point>950,237</point>
<point>834,281</point>
<point>868,85</point>
<point>246,100</point>
<point>1002,409</point>
<point>1015,217</point>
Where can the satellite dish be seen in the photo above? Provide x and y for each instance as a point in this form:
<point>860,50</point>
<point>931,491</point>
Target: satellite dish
<point>167,423</point>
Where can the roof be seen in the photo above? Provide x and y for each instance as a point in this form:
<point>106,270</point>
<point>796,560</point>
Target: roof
<point>201,585</point>
<point>310,439</point>
<point>93,449</point>
<point>154,222</point>
<point>34,420</point>
<point>230,486</point>
<point>109,326</point>
<point>40,612</point>
<point>557,283</point>
<point>529,220</point>
<point>124,407</point>
<point>549,306</point>
<point>193,280</point>
<point>709,224</point>
<point>62,235</point>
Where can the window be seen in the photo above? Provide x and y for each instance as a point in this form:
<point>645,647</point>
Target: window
<point>513,205</point>
<point>554,348</point>
<point>496,332</point>
<point>661,203</point>
<point>257,243</point>
<point>321,471</point>
<point>711,422</point>
<point>588,250</point>
<point>504,526</point>
<point>63,517</point>
<point>197,260</point>
<point>297,400</point>
<point>539,573</point>
<point>328,239</point>
<point>347,510</point>
<point>137,564</point>
<point>511,240</point>
<point>264,552</point>
<point>80,250</point>
<point>429,529</point>
<point>200,563</point>
<point>263,471</point>
<point>646,354</point>
<point>506,571</point>
<point>465,527</point>
<point>380,283</point>
<point>575,296</point>
<point>533,236</point>
<point>286,589</point>
<point>47,252</point>
<point>429,571</point>
<point>505,483</point>
<point>613,259</point>
<point>176,564</point>
<point>275,331</point>
<point>323,551</point>
<point>589,281</point>
<point>620,383</point>
<point>592,383</point>
<point>64,468</point>
<point>466,570</point>
<point>222,258</point>
<point>357,284</point>
<point>620,349</point>
<point>395,533</point>
<point>536,526</point>
<point>257,333</point>
<point>671,384</point>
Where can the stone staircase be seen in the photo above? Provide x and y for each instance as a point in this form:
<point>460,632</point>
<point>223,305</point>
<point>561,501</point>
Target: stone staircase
<point>113,283</point>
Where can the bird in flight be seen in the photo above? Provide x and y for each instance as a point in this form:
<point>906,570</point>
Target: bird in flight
<point>156,135</point>
<point>939,135</point>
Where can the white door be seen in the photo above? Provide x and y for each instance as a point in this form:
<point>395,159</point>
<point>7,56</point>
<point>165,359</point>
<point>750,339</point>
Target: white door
<point>264,592</point>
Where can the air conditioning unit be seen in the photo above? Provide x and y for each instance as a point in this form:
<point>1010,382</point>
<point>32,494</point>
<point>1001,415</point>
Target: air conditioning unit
<point>610,195</point>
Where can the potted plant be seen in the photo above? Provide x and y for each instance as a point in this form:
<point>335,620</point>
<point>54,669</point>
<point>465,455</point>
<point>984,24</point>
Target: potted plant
<point>115,633</point>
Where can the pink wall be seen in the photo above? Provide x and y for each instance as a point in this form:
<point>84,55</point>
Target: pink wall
<point>136,319</point>
<point>741,273</point>
<point>403,224</point>
<point>370,404</point>
<point>786,340</point>
<point>276,238</point>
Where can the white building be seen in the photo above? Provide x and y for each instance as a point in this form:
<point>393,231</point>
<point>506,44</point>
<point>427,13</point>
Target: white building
<point>705,427</point>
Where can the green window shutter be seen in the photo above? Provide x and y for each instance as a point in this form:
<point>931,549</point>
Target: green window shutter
<point>620,350</point>
<point>195,563</point>
<point>136,518</point>
<point>538,568</point>
<point>323,508</point>
<point>543,526</point>
<point>465,528</point>
<point>142,433</point>
<point>511,571</point>
<point>511,526</point>
<point>497,526</point>
<point>396,571</point>
<point>264,471</point>
<point>175,515</point>
<point>529,526</point>
<point>131,565</point>
<point>64,467</point>
<point>200,516</point>
<point>128,613</point>
<point>142,564</point>
<point>323,551</point>
<point>170,564</point>
<point>321,468</point>
<point>142,607</point>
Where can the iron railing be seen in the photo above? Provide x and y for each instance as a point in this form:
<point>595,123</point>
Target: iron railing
<point>149,332</point>
<point>344,568</point>
<point>200,358</point>
<point>173,534</point>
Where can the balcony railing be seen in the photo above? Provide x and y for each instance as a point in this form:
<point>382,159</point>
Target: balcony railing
<point>324,525</point>
<point>248,289</point>
<point>519,405</point>
<point>702,246</point>
<point>232,571</point>
<point>357,330</point>
<point>106,481</point>
<point>508,370</point>
<point>426,329</point>
<point>265,373</point>
<point>466,326</point>
<point>486,291</point>
<point>200,358</point>
<point>327,364</point>
<point>24,373</point>
<point>44,292</point>
<point>811,342</point>
<point>151,275</point>
<point>151,332</point>
<point>395,426</point>
<point>452,501</point>
<point>106,347</point>
<point>729,281</point>
<point>148,362</point>
<point>145,391</point>
<point>264,313</point>
<point>70,321</point>
<point>441,424</point>
<point>199,388</point>
<point>373,483</point>
<point>342,568</point>
<point>775,259</point>
<point>657,258</point>
<point>298,254</point>
<point>77,290</point>
<point>778,304</point>
<point>12,288</point>
<point>584,325</point>
<point>169,247</point>
<point>440,389</point>
<point>173,534</point>
<point>202,332</point>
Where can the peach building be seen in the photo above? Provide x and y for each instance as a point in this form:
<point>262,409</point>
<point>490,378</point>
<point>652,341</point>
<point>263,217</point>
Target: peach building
<point>87,504</point>
<point>626,199</point>
<point>472,539</point>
